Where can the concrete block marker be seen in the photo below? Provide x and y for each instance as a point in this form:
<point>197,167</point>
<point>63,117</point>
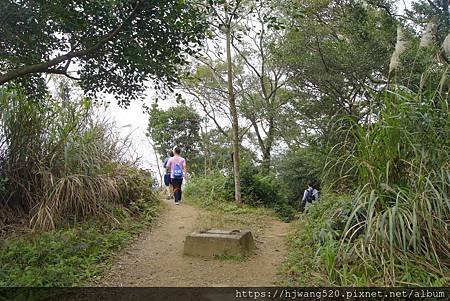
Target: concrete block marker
<point>215,242</point>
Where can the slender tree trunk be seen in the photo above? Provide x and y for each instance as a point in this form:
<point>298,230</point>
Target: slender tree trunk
<point>157,165</point>
<point>267,152</point>
<point>233,111</point>
<point>265,165</point>
<point>265,146</point>
<point>206,151</point>
<point>446,12</point>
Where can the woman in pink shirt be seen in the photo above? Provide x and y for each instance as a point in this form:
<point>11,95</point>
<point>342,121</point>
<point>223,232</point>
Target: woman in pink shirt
<point>177,165</point>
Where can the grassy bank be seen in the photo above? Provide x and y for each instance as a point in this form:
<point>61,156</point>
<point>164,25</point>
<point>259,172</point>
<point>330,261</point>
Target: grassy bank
<point>75,254</point>
<point>305,264</point>
<point>316,258</point>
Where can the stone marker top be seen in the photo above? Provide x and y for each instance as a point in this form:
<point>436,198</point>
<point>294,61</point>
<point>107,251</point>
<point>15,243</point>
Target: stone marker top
<point>227,234</point>
<point>213,242</point>
<point>218,231</point>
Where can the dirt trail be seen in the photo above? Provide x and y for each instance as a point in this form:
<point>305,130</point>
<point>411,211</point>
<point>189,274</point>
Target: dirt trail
<point>157,259</point>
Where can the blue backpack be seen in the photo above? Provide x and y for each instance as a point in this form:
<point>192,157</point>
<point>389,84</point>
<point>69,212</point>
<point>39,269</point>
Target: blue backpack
<point>177,172</point>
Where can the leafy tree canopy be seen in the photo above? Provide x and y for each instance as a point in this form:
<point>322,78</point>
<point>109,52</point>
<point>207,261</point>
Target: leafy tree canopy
<point>339,54</point>
<point>110,46</point>
<point>178,126</point>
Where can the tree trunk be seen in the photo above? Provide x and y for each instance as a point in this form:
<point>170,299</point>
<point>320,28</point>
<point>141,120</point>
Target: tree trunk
<point>235,123</point>
<point>446,12</point>
<point>265,164</point>
<point>207,153</point>
<point>268,145</point>
<point>159,169</point>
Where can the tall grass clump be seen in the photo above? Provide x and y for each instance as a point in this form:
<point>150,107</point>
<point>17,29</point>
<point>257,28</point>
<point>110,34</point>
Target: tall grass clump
<point>60,162</point>
<point>401,209</point>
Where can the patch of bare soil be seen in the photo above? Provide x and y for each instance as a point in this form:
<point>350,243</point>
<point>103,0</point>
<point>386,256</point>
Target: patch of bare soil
<point>156,259</point>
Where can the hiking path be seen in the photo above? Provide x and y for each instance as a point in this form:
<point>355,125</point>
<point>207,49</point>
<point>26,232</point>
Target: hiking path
<point>156,257</point>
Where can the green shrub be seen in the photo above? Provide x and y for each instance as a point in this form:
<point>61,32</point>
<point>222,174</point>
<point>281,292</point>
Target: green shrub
<point>295,169</point>
<point>259,189</point>
<point>211,192</point>
<point>135,184</point>
<point>206,189</point>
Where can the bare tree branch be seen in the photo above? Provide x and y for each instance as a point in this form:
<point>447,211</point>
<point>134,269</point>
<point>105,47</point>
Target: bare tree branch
<point>206,111</point>
<point>63,72</point>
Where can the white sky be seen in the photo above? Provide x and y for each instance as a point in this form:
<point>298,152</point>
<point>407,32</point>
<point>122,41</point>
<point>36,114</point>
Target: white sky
<point>133,120</point>
<point>402,3</point>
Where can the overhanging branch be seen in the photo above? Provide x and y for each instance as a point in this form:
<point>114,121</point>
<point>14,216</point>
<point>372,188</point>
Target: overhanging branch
<point>44,67</point>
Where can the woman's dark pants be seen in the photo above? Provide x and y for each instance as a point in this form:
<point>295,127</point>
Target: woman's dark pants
<point>176,183</point>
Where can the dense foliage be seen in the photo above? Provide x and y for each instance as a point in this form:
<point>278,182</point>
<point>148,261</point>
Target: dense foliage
<point>61,166</point>
<point>401,207</point>
<point>347,94</point>
<point>338,54</point>
<point>115,46</point>
<point>393,228</point>
<point>316,256</point>
<point>295,169</point>
<point>59,162</point>
<point>363,114</point>
<point>258,190</point>
<point>210,192</point>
